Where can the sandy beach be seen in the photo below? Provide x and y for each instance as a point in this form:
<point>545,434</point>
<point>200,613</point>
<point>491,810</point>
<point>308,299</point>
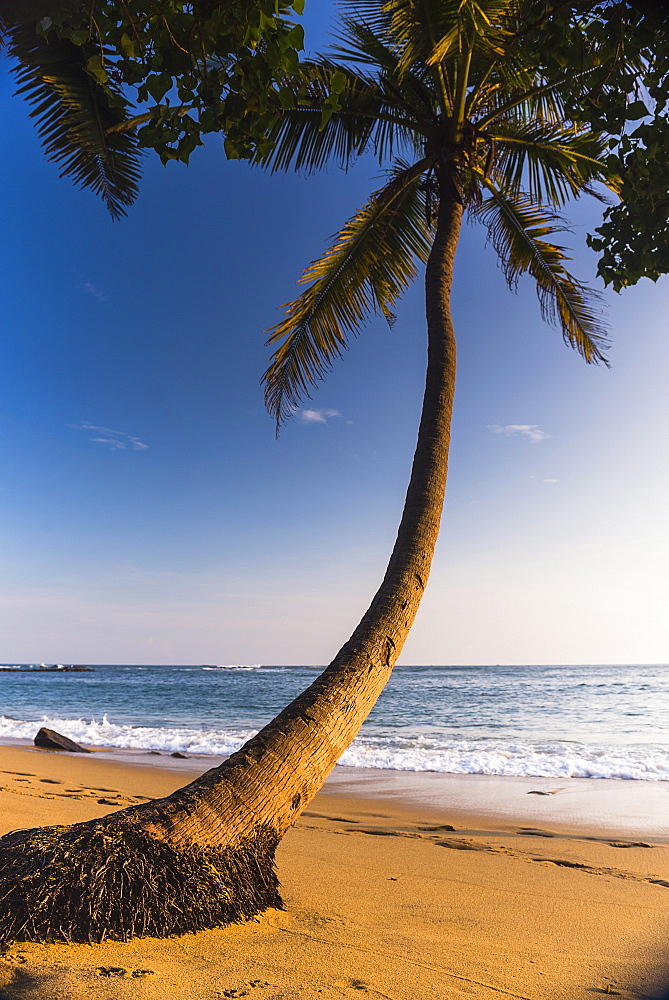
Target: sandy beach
<point>396,886</point>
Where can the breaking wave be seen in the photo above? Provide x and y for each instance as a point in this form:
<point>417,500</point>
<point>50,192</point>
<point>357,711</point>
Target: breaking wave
<point>503,756</point>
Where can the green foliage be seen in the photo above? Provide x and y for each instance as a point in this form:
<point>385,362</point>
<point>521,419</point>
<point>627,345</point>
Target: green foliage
<point>623,49</point>
<point>452,96</point>
<point>75,116</point>
<point>210,66</point>
<point>634,237</point>
<point>369,265</point>
<point>516,225</point>
<point>232,67</point>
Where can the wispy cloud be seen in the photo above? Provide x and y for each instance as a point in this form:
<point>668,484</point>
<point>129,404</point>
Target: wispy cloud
<point>550,480</point>
<point>116,440</point>
<point>316,416</point>
<point>532,432</point>
<point>91,289</point>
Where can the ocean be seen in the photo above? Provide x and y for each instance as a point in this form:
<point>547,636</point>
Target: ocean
<point>600,721</point>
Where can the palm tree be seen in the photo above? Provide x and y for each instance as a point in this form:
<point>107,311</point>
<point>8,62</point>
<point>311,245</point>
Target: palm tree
<point>443,90</point>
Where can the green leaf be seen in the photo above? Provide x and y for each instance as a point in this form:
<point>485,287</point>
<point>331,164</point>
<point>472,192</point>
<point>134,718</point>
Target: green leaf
<point>128,46</point>
<point>158,86</point>
<point>231,149</point>
<point>290,61</point>
<point>295,37</point>
<point>95,68</point>
<point>286,98</point>
<point>635,110</point>
<point>298,6</point>
<point>78,37</point>
<point>326,115</point>
<point>337,82</point>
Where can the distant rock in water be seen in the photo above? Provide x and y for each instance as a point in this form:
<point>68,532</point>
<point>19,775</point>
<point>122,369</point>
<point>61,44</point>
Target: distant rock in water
<point>45,668</point>
<point>49,739</point>
<point>177,754</point>
<point>60,668</point>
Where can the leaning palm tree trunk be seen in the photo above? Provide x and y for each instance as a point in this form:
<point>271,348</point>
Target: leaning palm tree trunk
<point>204,856</point>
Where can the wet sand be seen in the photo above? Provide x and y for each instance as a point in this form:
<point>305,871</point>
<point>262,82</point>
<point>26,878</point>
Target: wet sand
<point>396,886</point>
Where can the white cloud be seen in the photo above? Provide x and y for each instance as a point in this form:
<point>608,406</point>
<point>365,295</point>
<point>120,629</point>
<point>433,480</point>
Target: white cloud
<point>316,416</point>
<point>89,287</point>
<point>110,441</point>
<point>550,480</point>
<point>116,440</point>
<point>532,432</point>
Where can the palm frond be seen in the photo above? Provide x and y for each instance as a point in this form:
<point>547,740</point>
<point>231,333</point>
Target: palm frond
<point>418,25</point>
<point>516,228</point>
<point>74,116</point>
<point>551,162</point>
<point>367,118</point>
<point>411,90</point>
<point>370,263</point>
<point>359,44</point>
<point>373,13</point>
<point>542,100</point>
<point>483,22</point>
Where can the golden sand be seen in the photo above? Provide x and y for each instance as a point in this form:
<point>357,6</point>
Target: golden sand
<point>384,899</point>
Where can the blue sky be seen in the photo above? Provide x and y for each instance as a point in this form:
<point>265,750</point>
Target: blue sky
<point>149,515</point>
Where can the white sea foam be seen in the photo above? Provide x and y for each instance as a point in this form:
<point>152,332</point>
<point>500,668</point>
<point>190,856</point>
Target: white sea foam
<point>109,734</point>
<point>455,755</point>
<point>235,666</point>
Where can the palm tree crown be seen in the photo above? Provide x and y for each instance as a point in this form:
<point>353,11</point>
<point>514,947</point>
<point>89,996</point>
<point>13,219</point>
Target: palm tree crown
<point>443,93</point>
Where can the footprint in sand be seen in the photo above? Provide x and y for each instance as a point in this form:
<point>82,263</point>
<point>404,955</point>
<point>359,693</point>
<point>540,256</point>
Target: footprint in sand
<point>353,984</point>
<point>462,845</point>
<point>235,992</point>
<point>50,781</point>
<point>14,958</point>
<point>117,971</point>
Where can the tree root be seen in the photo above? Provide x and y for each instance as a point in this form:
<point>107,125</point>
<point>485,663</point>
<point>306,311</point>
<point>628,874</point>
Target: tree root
<point>104,879</point>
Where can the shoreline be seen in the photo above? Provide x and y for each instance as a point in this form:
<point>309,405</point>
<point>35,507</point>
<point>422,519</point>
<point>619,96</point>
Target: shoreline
<point>589,806</point>
<point>388,895</point>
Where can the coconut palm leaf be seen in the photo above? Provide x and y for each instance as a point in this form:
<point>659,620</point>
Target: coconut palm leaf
<point>482,24</point>
<point>415,27</point>
<point>517,227</point>
<point>542,100</point>
<point>370,263</point>
<point>372,13</point>
<point>74,116</point>
<point>410,91</point>
<point>550,162</point>
<point>367,118</point>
